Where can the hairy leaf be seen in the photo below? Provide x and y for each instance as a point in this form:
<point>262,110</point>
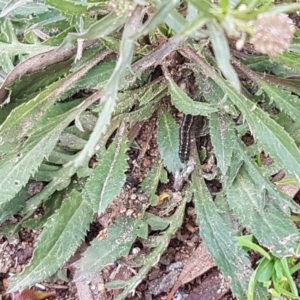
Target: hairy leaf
<point>187,105</point>
<point>62,235</point>
<point>75,8</point>
<point>109,175</point>
<point>283,99</point>
<point>223,139</point>
<point>150,183</point>
<point>17,203</point>
<point>50,206</point>
<point>161,242</point>
<point>98,29</point>
<point>152,92</point>
<point>118,243</point>
<point>111,90</point>
<point>21,9</point>
<point>270,135</point>
<point>21,162</point>
<point>256,173</point>
<point>168,141</point>
<point>261,217</point>
<point>289,61</point>
<point>218,238</point>
<point>222,53</point>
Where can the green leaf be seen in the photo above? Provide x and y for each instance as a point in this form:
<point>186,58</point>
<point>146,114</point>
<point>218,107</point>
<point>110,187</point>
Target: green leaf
<point>152,92</point>
<point>20,48</point>
<point>120,237</point>
<point>11,6</point>
<point>256,173</point>
<point>150,183</point>
<point>71,142</point>
<point>168,141</point>
<point>155,222</point>
<point>111,90</point>
<point>274,140</point>
<point>98,29</point>
<point>283,99</point>
<point>109,175</point>
<point>222,53</point>
<point>265,221</point>
<point>96,78</point>
<point>161,243</point>
<point>76,8</point>
<point>29,84</point>
<point>17,203</point>
<point>24,10</point>
<point>223,139</point>
<point>247,243</point>
<point>62,234</point>
<point>231,260</point>
<point>214,94</point>
<point>289,61</point>
<point>50,206</point>
<point>263,264</point>
<point>20,163</point>
<point>26,137</point>
<point>187,105</point>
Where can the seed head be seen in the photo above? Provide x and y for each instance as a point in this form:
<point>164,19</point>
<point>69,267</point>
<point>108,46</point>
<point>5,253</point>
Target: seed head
<point>273,33</point>
<point>122,7</point>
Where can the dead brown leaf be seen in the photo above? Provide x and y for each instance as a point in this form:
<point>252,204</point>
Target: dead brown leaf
<point>213,287</point>
<point>37,63</point>
<point>199,263</point>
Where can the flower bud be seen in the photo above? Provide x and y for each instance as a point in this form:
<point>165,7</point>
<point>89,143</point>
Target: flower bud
<point>273,33</point>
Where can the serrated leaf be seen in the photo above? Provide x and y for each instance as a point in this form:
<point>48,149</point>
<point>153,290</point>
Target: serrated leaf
<point>19,164</point>
<point>62,235</point>
<point>156,222</point>
<point>27,136</point>
<point>283,99</point>
<point>20,48</point>
<point>111,90</point>
<point>289,125</point>
<point>31,83</point>
<point>274,140</point>
<point>289,60</point>
<point>187,105</point>
<point>284,202</point>
<point>168,141</point>
<point>98,29</point>
<point>230,259</point>
<point>25,117</point>
<point>271,228</point>
<point>160,243</point>
<point>25,10</point>
<point>23,160</point>
<point>50,206</point>
<point>223,139</point>
<point>109,175</point>
<point>76,8</point>
<point>96,78</point>
<point>150,183</point>
<point>17,203</point>
<point>10,6</point>
<point>120,237</point>
<point>233,169</point>
<point>213,94</point>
